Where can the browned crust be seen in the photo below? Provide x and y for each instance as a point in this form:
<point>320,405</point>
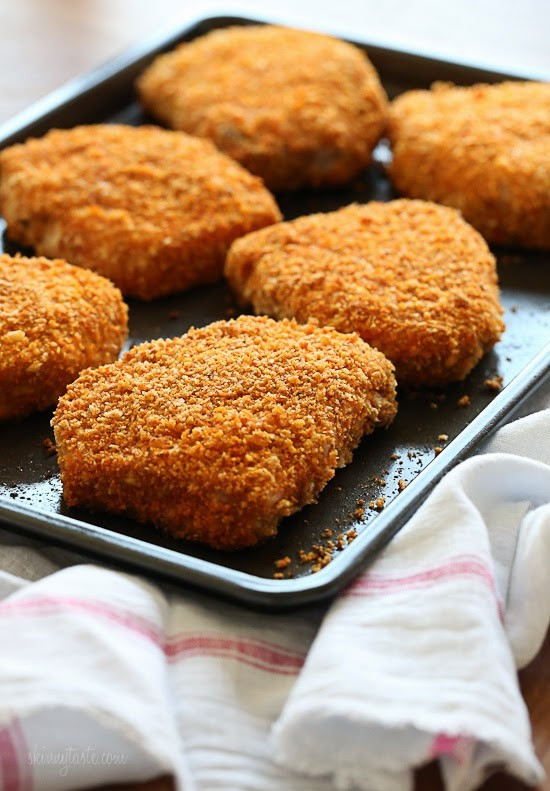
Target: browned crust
<point>484,150</point>
<point>294,107</point>
<point>152,210</point>
<point>217,435</point>
<point>55,320</point>
<point>412,278</point>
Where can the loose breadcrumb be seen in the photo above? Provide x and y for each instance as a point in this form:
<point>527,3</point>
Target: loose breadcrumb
<point>443,437</point>
<point>412,278</point>
<point>51,450</point>
<point>484,150</point>
<point>248,418</point>
<point>494,384</point>
<point>464,400</point>
<point>319,555</point>
<point>401,484</point>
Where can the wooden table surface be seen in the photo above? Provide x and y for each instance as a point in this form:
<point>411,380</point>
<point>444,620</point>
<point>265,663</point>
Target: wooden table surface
<point>46,42</point>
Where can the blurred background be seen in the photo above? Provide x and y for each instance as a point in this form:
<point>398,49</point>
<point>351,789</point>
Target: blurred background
<point>46,42</point>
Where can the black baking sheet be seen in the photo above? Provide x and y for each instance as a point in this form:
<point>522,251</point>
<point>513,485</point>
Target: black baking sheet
<point>30,489</point>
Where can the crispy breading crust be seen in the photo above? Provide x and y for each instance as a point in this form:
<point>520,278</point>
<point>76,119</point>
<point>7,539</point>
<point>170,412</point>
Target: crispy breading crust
<point>412,278</point>
<point>294,107</point>
<point>217,435</point>
<point>55,320</point>
<point>155,211</point>
<point>484,150</point>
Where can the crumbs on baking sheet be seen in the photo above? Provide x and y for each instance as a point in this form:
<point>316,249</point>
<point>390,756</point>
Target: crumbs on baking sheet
<point>51,450</point>
<point>493,384</point>
<point>319,556</point>
<point>464,400</point>
<point>333,540</point>
<point>280,565</point>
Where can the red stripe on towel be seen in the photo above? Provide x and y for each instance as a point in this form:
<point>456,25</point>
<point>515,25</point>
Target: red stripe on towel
<point>455,746</point>
<point>467,566</point>
<point>460,566</point>
<point>259,654</point>
<point>23,756</point>
<point>9,765</point>
<point>128,620</point>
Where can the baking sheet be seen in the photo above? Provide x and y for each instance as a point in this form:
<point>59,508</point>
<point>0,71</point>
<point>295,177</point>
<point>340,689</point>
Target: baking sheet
<point>433,430</point>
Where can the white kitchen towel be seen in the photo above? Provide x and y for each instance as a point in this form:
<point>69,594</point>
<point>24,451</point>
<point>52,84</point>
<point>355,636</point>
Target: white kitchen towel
<point>103,678</point>
<point>413,660</point>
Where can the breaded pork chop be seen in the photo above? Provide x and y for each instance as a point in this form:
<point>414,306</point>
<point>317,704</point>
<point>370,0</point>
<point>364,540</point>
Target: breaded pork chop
<point>484,150</point>
<point>217,435</point>
<point>55,320</point>
<point>294,107</point>
<point>152,210</point>
<point>412,278</point>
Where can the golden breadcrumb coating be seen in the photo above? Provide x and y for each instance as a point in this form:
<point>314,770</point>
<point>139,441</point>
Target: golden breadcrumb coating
<point>217,435</point>
<point>155,211</point>
<point>294,107</point>
<point>412,278</point>
<point>55,320</point>
<point>484,150</point>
